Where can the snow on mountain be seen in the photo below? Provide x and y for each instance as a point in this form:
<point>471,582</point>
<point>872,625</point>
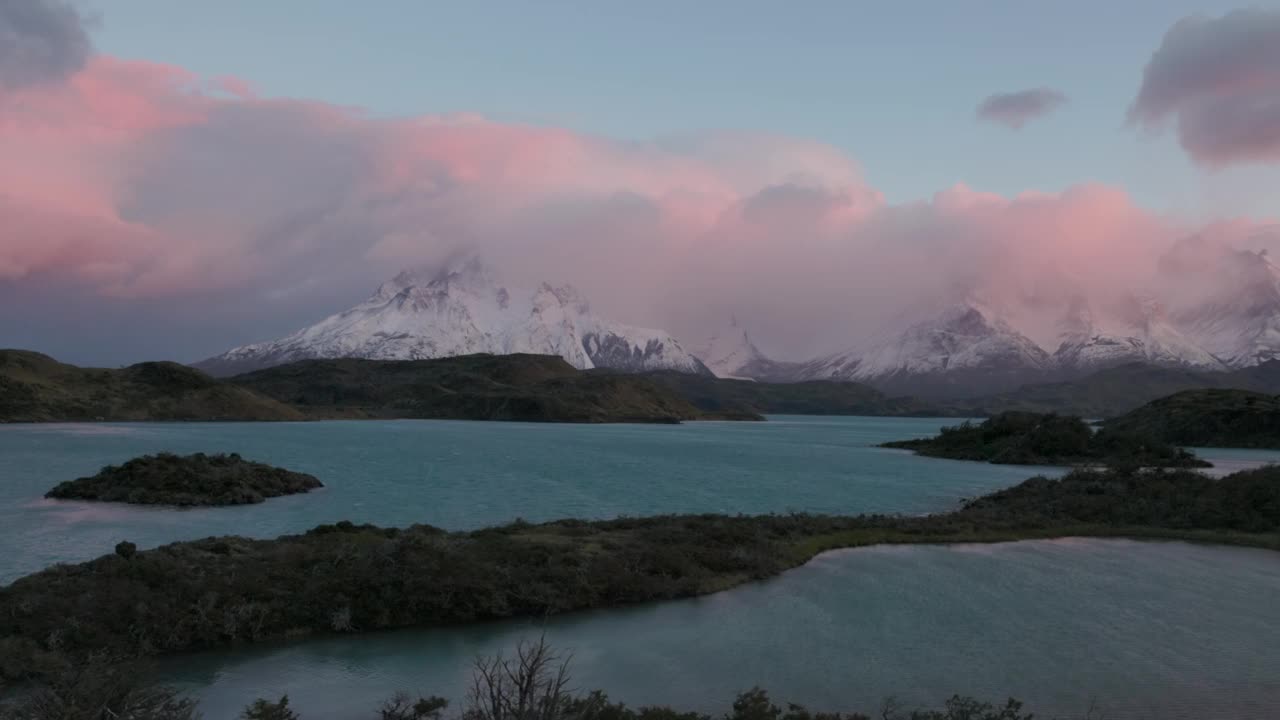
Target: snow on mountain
<point>1212,307</point>
<point>966,336</point>
<point>466,310</point>
<point>976,345</point>
<point>1136,329</point>
<point>730,353</point>
<point>1234,306</point>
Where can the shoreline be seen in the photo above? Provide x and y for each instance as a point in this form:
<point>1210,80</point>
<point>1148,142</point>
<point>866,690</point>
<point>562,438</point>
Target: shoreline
<point>340,578</point>
<point>1273,545</point>
<point>794,555</point>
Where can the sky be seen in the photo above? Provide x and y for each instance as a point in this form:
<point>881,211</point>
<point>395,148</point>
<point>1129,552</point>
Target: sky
<point>184,177</point>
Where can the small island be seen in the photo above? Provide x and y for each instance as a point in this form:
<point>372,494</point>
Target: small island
<point>1025,438</point>
<point>191,480</point>
<point>343,578</point>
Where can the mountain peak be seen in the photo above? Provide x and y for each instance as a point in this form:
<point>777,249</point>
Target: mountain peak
<point>566,296</point>
<point>729,353</point>
<point>469,274</point>
<point>461,309</point>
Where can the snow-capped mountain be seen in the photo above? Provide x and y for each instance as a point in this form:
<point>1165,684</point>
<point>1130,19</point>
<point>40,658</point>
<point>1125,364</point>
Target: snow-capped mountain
<point>966,340</point>
<point>1136,329</point>
<point>1233,308</point>
<point>1209,306</point>
<point>464,310</point>
<point>975,346</point>
<point>730,353</point>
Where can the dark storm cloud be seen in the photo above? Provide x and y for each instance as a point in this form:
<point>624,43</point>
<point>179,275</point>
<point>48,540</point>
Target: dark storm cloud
<point>1220,79</point>
<point>41,41</point>
<point>1016,109</point>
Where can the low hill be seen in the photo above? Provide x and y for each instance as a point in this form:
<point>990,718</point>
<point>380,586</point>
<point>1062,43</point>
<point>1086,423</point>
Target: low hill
<point>198,479</point>
<point>1023,438</point>
<point>472,387</point>
<point>1208,418</point>
<point>814,397</point>
<point>1117,390</point>
<point>37,388</point>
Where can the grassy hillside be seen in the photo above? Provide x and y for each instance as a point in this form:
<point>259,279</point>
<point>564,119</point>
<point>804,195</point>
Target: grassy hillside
<point>37,388</point>
<point>476,387</point>
<point>1208,418</point>
<point>1115,391</point>
<point>346,578</point>
<point>818,397</point>
<point>1023,438</point>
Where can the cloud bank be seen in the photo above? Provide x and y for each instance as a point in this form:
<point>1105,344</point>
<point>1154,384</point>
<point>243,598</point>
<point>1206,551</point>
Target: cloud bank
<point>41,41</point>
<point>152,212</point>
<point>1219,78</point>
<point>1016,109</point>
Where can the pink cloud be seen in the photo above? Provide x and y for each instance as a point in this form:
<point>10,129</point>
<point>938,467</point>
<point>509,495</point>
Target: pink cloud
<point>236,87</point>
<point>1220,79</point>
<point>95,248</point>
<point>108,99</point>
<point>141,180</point>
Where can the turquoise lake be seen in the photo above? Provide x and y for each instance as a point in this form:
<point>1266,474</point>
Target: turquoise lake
<point>460,475</point>
<point>1163,630</point>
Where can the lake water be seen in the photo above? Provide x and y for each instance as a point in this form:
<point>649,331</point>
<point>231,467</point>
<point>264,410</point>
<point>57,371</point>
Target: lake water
<point>1181,628</point>
<point>460,475</point>
<point>1166,631</point>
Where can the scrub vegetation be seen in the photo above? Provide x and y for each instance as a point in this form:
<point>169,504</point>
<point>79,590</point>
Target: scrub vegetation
<point>346,578</point>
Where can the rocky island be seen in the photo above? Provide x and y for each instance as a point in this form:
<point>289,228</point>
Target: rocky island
<point>190,480</point>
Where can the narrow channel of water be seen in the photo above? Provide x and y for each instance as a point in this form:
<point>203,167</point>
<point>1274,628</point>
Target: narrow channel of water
<point>1143,629</point>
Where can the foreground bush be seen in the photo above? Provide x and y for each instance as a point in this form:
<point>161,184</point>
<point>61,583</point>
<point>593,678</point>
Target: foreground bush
<point>104,688</point>
<point>533,684</point>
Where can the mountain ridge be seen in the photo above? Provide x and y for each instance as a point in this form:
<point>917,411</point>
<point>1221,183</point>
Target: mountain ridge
<point>519,386</point>
<point>37,388</point>
<point>1117,390</point>
<point>1207,307</point>
<point>977,345</point>
<point>463,310</point>
<point>730,354</point>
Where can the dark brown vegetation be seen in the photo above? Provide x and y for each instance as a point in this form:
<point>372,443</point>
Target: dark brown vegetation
<point>1207,418</point>
<point>100,688</point>
<point>534,684</point>
<point>1117,390</point>
<point>37,388</point>
<point>817,397</point>
<point>347,578</point>
<point>198,479</point>
<point>472,387</point>
<point>1022,438</point>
